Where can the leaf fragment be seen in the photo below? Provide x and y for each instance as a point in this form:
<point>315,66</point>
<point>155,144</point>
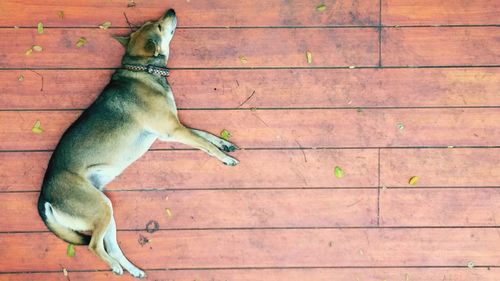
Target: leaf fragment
<point>29,51</point>
<point>60,14</point>
<point>243,59</point>
<point>321,7</point>
<point>37,48</point>
<point>70,250</point>
<point>37,127</point>
<point>339,173</point>
<point>413,180</point>
<point>131,3</point>
<point>225,134</point>
<point>471,265</point>
<point>65,272</point>
<point>40,28</point>
<point>169,212</point>
<point>309,57</point>
<point>81,42</point>
<point>105,25</point>
<point>20,78</point>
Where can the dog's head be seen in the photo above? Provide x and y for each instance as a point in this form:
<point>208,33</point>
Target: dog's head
<point>152,38</point>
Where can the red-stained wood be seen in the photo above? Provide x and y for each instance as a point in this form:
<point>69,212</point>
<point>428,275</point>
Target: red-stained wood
<point>189,209</point>
<point>21,171</point>
<point>437,46</point>
<point>471,167</point>
<point>266,248</point>
<point>282,88</point>
<point>199,48</point>
<point>440,207</point>
<point>203,13</point>
<point>292,128</point>
<point>310,274</point>
<point>430,12</point>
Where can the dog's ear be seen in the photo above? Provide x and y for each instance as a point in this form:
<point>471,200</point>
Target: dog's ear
<point>123,40</point>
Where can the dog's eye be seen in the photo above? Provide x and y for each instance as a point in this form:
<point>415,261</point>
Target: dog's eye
<point>159,27</point>
<point>172,32</point>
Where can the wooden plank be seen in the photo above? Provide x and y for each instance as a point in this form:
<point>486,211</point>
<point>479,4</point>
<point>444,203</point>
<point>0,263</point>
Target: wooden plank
<point>440,207</point>
<point>292,128</point>
<point>441,46</point>
<point>467,167</point>
<point>198,48</point>
<point>278,88</point>
<point>216,209</point>
<point>194,169</point>
<point>429,12</point>
<point>266,248</point>
<point>220,13</point>
<point>310,274</point>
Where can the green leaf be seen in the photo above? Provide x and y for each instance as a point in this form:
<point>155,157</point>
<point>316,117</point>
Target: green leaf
<point>81,42</point>
<point>105,25</point>
<point>37,128</point>
<point>321,7</point>
<point>225,134</point>
<point>339,173</point>
<point>40,28</point>
<point>70,251</point>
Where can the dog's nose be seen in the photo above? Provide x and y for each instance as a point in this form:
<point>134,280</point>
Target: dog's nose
<point>170,13</point>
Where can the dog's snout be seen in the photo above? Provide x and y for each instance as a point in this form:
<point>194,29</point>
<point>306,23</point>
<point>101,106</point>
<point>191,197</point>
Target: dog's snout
<point>170,13</point>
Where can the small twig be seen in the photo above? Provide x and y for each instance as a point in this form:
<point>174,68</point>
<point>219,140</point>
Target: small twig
<point>241,104</point>
<point>41,76</point>
<point>128,22</point>
<point>302,150</point>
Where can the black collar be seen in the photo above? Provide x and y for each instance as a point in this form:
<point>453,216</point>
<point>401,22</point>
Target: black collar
<point>151,69</point>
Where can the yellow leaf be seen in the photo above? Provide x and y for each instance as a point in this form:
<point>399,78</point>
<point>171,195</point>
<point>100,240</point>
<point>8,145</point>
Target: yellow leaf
<point>413,180</point>
<point>37,48</point>
<point>243,59</point>
<point>105,25</point>
<point>29,51</point>
<point>60,14</point>
<point>40,28</point>
<point>225,134</point>
<point>309,57</point>
<point>81,42</point>
<point>169,212</point>
<point>37,129</point>
<point>321,7</point>
<point>339,173</point>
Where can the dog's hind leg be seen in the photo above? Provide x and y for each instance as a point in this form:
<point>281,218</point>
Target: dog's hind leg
<point>114,251</point>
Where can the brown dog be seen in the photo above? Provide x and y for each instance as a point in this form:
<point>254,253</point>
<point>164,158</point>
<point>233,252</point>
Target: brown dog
<point>136,108</point>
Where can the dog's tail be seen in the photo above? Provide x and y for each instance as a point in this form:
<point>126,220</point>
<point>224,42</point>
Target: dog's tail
<point>63,232</point>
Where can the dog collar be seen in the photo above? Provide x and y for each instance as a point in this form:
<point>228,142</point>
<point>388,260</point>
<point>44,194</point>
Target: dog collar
<point>151,69</point>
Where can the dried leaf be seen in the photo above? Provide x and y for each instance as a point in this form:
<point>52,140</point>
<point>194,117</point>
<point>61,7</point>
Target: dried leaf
<point>37,127</point>
<point>339,173</point>
<point>29,51</point>
<point>20,78</point>
<point>143,240</point>
<point>225,134</point>
<point>81,42</point>
<point>105,25</point>
<point>60,14</point>
<point>16,27</point>
<point>131,3</point>
<point>40,28</point>
<point>243,59</point>
<point>321,7</point>
<point>309,57</point>
<point>70,250</point>
<point>169,212</point>
<point>37,48</point>
<point>413,180</point>
<point>352,66</point>
<point>65,272</point>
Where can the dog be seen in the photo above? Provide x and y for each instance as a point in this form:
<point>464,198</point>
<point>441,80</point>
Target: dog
<point>135,108</point>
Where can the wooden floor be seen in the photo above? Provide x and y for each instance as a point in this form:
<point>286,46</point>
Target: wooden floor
<point>395,89</point>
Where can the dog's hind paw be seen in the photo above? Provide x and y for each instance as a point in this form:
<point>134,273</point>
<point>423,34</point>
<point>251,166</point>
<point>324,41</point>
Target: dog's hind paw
<point>230,161</point>
<point>117,269</point>
<point>229,148</point>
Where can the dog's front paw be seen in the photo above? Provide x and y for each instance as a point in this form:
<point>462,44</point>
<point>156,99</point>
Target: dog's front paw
<point>230,161</point>
<point>137,273</point>
<point>117,268</point>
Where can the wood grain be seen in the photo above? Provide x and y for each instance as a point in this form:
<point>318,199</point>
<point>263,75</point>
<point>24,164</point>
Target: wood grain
<point>196,48</point>
<point>279,88</point>
<point>204,13</point>
<point>194,169</point>
<point>311,274</point>
<point>266,248</point>
<point>471,167</point>
<point>292,128</point>
<point>438,46</point>
<point>216,209</point>
<point>429,12</point>
<point>440,207</point>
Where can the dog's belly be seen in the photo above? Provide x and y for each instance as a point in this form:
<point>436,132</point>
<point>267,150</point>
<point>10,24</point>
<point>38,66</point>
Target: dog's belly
<point>100,174</point>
